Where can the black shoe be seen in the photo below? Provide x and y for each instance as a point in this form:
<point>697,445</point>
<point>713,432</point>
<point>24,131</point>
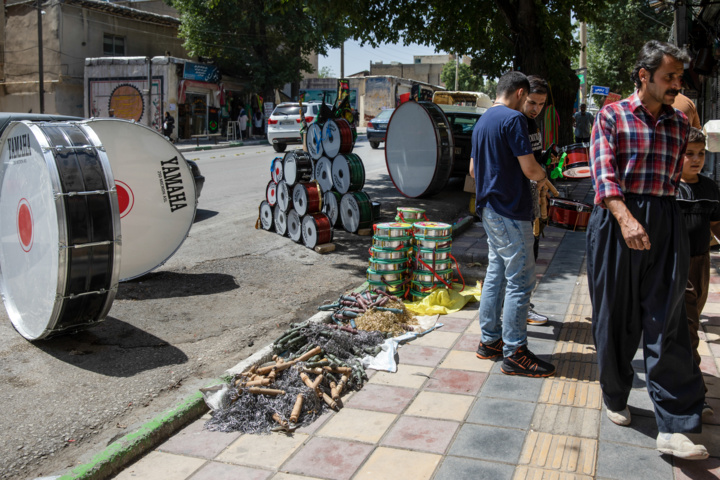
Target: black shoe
<point>491,350</point>
<point>523,362</point>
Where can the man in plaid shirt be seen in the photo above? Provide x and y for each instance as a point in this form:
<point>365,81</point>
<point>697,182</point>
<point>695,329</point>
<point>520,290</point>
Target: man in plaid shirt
<point>638,252</point>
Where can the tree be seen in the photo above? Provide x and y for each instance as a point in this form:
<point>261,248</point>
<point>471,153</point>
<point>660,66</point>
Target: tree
<point>534,36</point>
<point>326,72</point>
<point>613,44</point>
<point>264,42</point>
<point>467,80</point>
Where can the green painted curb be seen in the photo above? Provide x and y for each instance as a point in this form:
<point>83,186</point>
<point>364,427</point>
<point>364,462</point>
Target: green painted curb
<point>122,452</point>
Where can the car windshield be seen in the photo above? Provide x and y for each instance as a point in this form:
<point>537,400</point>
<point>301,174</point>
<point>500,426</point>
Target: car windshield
<point>463,124</point>
<point>384,114</point>
<point>290,109</point>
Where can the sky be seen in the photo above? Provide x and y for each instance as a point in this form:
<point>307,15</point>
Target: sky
<point>358,58</point>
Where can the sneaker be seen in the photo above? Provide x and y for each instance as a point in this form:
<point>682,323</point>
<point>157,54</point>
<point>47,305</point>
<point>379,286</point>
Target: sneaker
<point>707,410</point>
<point>678,445</point>
<point>490,350</point>
<point>620,417</point>
<point>523,362</point>
<point>534,318</point>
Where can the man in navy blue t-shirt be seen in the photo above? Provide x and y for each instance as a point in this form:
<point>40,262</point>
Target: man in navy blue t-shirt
<point>503,163</point>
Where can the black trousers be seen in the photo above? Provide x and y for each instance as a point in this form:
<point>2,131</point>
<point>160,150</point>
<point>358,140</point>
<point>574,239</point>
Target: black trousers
<point>640,294</point>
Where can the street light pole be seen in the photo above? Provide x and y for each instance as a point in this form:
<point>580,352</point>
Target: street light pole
<point>41,87</point>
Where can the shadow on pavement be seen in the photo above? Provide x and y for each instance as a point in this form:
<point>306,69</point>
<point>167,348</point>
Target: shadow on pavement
<point>201,215</point>
<point>113,348</point>
<point>170,285</point>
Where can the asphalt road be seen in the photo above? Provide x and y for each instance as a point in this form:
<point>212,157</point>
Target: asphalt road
<point>229,290</point>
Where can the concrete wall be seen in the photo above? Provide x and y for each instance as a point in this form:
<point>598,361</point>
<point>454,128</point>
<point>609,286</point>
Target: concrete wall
<point>421,72</point>
<point>152,6</point>
<point>77,33</point>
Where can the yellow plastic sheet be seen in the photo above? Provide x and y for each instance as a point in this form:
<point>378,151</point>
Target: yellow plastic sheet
<point>444,301</point>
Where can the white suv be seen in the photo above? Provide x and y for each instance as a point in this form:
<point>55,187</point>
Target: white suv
<point>285,122</point>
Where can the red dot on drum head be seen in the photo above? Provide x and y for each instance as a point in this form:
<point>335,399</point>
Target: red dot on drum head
<point>25,225</point>
<point>126,199</point>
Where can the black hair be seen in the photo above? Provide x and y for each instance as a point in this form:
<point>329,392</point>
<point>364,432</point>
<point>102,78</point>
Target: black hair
<point>651,56</point>
<point>696,135</point>
<point>538,85</point>
<point>511,82</point>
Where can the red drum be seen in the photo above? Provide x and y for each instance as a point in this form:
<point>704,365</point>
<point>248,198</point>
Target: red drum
<point>284,196</point>
<point>294,226</point>
<point>337,137</point>
<point>307,198</point>
<point>576,163</point>
<point>419,149</point>
<point>271,193</point>
<point>276,169</point>
<point>266,216</point>
<point>316,230</point>
<point>568,214</point>
<point>297,167</point>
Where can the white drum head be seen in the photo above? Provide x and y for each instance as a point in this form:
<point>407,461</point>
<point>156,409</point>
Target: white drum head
<point>331,207</point>
<point>276,169</point>
<point>294,226</point>
<point>331,138</point>
<point>266,216</point>
<point>412,150</point>
<point>271,193</point>
<point>280,221</point>
<point>314,141</point>
<point>156,193</point>
<point>300,199</point>
<point>284,197</point>
<point>323,174</point>
<point>309,231</point>
<point>350,213</point>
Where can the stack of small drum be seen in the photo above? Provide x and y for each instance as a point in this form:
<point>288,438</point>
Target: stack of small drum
<point>412,256</point>
<point>293,201</point>
<point>312,192</point>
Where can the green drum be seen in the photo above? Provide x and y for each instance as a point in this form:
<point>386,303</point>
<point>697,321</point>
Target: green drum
<point>420,290</point>
<point>391,243</point>
<point>380,265</point>
<point>409,214</point>
<point>428,265</point>
<point>378,277</point>
<point>348,173</point>
<point>433,229</point>
<point>439,243</point>
<point>383,254</point>
<point>355,211</point>
<point>397,287</point>
<point>428,255</point>
<point>393,229</point>
<point>427,277</point>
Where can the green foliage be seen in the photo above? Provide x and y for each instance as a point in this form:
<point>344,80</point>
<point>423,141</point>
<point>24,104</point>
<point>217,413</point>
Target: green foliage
<point>264,42</point>
<point>326,72</point>
<point>467,80</point>
<point>614,41</point>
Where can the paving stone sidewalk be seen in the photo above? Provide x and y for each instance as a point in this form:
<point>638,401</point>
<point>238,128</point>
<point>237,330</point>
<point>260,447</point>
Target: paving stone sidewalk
<point>447,415</point>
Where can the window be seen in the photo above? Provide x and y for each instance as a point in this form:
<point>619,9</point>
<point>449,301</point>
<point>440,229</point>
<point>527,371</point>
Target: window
<point>113,45</point>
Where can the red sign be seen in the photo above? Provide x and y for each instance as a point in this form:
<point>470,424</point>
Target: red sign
<point>612,98</point>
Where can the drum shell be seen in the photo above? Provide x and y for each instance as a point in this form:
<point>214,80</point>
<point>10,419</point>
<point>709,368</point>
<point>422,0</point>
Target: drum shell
<point>379,276</point>
<point>410,215</point>
<point>395,229</point>
<point>568,214</point>
<point>388,243</point>
<point>65,277</point>
<point>320,224</point>
<point>337,137</point>
<point>437,266</point>
<point>381,265</point>
<point>429,277</point>
<point>385,254</point>
<point>432,242</point>
<point>428,255</point>
<point>577,153</point>
<point>398,287</point>
<point>432,229</point>
<point>420,131</point>
<point>348,173</point>
<point>355,211</point>
<point>307,198</point>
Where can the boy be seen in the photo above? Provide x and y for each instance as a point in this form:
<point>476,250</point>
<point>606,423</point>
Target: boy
<point>699,199</point>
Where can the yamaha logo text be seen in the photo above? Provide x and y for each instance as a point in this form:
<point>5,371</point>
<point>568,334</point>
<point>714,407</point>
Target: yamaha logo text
<point>19,146</point>
<point>174,188</point>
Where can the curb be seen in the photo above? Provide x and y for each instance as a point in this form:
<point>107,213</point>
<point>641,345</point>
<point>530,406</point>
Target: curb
<point>192,148</point>
<point>132,446</point>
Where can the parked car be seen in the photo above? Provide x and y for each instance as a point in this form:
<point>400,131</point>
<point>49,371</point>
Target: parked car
<point>6,118</point>
<point>285,122</point>
<point>377,127</point>
<point>462,121</point>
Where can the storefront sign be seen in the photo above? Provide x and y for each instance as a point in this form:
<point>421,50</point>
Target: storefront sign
<point>612,98</point>
<point>201,72</point>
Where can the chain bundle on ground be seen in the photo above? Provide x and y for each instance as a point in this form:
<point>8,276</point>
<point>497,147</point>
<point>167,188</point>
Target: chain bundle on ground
<point>315,364</point>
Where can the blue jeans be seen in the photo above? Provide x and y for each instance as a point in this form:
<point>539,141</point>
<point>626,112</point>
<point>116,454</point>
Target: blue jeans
<point>509,280</point>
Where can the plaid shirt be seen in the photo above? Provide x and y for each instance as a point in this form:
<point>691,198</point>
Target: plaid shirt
<point>631,152</point>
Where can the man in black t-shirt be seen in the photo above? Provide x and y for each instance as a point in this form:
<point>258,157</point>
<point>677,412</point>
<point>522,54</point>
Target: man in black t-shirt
<point>699,200</point>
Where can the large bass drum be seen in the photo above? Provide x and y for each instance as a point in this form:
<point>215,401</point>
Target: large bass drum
<point>60,240</point>
<point>419,149</point>
<point>156,193</point>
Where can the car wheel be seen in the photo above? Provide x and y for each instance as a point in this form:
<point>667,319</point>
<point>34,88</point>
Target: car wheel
<point>279,147</point>
<point>374,144</point>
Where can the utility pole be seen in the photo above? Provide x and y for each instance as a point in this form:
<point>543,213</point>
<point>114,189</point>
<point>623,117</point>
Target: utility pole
<point>342,59</point>
<point>457,69</point>
<point>583,61</point>
<point>41,86</point>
